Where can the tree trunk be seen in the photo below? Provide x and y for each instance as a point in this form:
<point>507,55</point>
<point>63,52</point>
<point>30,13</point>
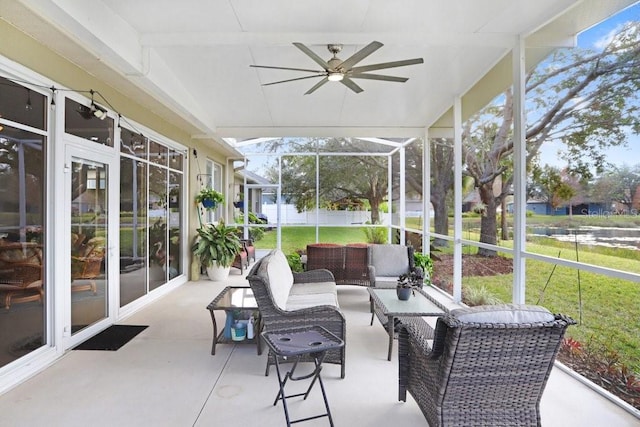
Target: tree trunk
<point>441,222</point>
<point>488,222</point>
<point>504,228</point>
<point>375,210</point>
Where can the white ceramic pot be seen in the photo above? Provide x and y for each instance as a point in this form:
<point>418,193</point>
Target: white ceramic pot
<point>218,274</point>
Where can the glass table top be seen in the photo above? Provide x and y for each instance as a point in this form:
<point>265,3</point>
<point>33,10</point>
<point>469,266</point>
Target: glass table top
<point>388,301</point>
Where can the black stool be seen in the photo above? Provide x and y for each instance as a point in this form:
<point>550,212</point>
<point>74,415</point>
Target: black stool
<point>294,343</point>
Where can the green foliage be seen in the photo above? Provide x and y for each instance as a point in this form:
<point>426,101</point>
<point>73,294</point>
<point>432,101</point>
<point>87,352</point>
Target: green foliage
<point>479,295</point>
<point>425,262</point>
<point>255,233</point>
<point>295,262</point>
<point>375,234</point>
<point>217,244</point>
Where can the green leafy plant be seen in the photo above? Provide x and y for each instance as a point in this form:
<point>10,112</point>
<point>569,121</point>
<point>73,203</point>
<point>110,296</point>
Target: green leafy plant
<point>210,195</point>
<point>295,262</point>
<point>216,244</point>
<point>425,263</point>
<point>411,280</point>
<point>375,235</point>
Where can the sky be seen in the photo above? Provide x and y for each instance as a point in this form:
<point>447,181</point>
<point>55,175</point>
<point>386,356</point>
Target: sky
<point>594,38</point>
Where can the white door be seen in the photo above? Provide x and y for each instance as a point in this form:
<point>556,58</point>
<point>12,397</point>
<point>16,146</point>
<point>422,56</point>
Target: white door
<point>90,198</point>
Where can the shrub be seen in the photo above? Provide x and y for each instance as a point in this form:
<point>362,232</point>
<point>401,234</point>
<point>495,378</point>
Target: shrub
<point>480,295</point>
<point>375,234</point>
<point>295,262</point>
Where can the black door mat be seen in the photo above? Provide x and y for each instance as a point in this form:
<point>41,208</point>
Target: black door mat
<point>112,338</point>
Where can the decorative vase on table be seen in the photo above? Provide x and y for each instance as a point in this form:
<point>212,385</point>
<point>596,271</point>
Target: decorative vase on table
<point>403,293</point>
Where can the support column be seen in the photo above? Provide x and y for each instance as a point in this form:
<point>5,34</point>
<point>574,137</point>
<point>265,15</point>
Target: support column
<point>457,204</point>
<point>520,173</point>
<point>426,193</point>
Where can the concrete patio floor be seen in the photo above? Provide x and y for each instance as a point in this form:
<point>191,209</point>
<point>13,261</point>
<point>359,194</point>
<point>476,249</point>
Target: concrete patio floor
<point>166,376</point>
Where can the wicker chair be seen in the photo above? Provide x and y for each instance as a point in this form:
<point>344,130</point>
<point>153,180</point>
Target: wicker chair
<point>387,262</point>
<point>488,366</point>
<point>274,318</point>
<point>21,272</point>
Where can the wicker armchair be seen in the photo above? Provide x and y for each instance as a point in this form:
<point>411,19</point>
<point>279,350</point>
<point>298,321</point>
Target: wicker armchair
<point>275,318</point>
<point>21,272</point>
<point>488,365</point>
<point>387,262</point>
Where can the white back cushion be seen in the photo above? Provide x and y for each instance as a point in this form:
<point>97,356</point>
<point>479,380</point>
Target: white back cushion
<point>390,260</point>
<point>280,277</point>
<point>503,313</point>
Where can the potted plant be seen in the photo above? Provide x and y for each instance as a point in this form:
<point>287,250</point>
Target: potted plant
<point>407,283</point>
<point>217,246</point>
<point>209,198</point>
<point>240,203</point>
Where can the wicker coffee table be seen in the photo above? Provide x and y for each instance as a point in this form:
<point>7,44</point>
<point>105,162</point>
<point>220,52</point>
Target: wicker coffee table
<point>386,306</point>
<point>235,298</point>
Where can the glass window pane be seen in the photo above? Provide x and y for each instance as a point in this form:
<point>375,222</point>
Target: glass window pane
<point>133,230</point>
<point>158,235</point>
<point>174,265</point>
<point>79,120</point>
<point>176,160</point>
<point>133,143</point>
<point>22,105</point>
<point>22,253</point>
<point>158,153</point>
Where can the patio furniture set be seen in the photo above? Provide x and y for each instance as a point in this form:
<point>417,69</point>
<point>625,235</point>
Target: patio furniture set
<point>485,365</point>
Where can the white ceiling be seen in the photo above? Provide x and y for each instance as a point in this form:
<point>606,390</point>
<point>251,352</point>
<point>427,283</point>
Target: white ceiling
<point>189,60</point>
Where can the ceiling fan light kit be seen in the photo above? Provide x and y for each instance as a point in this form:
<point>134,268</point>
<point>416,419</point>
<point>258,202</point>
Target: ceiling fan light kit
<point>337,70</point>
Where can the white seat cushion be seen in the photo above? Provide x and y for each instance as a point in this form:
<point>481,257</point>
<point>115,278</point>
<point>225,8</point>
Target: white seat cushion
<point>297,302</point>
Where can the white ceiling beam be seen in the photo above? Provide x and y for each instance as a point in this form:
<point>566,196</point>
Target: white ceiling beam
<point>329,131</point>
<point>408,38</point>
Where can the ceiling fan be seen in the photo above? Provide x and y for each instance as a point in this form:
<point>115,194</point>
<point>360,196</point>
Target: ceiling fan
<point>337,70</point>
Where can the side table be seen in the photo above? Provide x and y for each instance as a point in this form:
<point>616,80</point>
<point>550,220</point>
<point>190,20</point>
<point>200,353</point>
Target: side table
<point>296,342</point>
<point>235,298</point>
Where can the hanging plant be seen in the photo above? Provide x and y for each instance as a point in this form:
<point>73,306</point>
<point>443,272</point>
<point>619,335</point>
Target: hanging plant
<point>209,198</point>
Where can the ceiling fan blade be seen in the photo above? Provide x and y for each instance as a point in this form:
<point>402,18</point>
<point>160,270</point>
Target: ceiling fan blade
<point>311,54</point>
<point>351,84</point>
<point>360,55</point>
<point>316,86</point>
<point>383,65</point>
<point>293,80</point>
<point>379,77</point>
<point>285,68</point>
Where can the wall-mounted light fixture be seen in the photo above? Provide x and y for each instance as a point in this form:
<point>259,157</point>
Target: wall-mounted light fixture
<point>93,110</point>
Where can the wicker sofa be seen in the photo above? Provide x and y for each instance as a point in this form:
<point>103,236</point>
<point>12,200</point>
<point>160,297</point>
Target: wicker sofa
<point>488,365</point>
<point>286,299</point>
<point>347,263</point>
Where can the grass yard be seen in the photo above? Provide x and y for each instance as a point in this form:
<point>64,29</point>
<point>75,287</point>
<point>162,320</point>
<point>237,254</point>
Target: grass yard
<point>296,238</point>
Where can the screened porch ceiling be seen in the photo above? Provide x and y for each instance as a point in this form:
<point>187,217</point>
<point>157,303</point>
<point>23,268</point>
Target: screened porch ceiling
<point>189,61</point>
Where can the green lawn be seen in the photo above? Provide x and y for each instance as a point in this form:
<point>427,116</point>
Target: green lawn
<point>296,238</point>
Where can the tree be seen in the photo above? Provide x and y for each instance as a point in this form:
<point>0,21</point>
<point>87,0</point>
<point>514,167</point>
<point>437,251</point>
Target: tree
<point>355,177</point>
<point>552,185</point>
<point>619,185</point>
<point>587,100</point>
